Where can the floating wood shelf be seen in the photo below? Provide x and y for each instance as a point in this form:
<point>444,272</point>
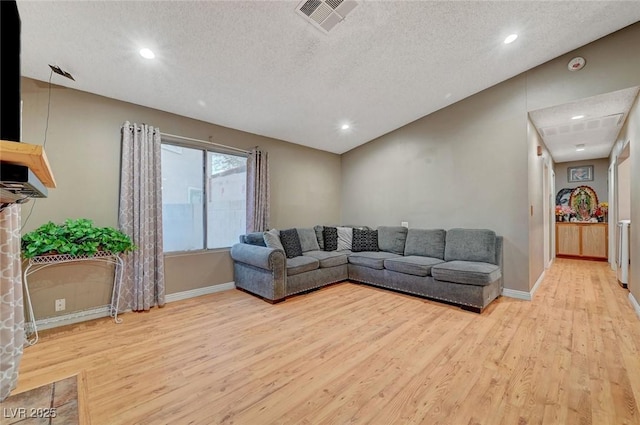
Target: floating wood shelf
<point>32,156</point>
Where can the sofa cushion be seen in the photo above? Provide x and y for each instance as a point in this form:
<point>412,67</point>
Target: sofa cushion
<point>470,245</point>
<point>301,264</point>
<point>365,240</point>
<point>328,258</point>
<point>254,238</point>
<point>345,238</point>
<point>272,239</point>
<point>330,235</point>
<point>467,272</point>
<point>425,242</point>
<point>413,264</point>
<point>373,260</point>
<point>392,239</point>
<point>291,243</point>
<point>308,240</point>
<point>319,236</point>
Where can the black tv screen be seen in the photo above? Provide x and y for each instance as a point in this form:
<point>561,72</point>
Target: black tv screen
<point>10,110</point>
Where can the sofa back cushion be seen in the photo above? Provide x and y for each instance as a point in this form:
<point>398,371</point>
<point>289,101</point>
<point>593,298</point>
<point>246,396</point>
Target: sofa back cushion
<point>308,240</point>
<point>345,238</point>
<point>425,243</point>
<point>392,239</point>
<point>291,243</point>
<point>365,240</point>
<point>471,245</point>
<point>330,235</point>
<point>272,239</point>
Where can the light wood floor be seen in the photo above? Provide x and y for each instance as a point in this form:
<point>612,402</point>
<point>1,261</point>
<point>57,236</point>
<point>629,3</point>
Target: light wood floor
<point>355,354</point>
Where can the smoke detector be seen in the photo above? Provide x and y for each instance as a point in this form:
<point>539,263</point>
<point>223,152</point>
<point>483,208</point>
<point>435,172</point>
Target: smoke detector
<point>576,64</point>
<point>325,14</point>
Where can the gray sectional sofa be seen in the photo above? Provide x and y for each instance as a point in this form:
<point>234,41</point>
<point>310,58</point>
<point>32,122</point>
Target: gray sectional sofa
<point>458,266</point>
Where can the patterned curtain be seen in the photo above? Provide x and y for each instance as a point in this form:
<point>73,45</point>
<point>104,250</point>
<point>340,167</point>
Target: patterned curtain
<point>11,309</point>
<point>140,217</point>
<point>257,191</point>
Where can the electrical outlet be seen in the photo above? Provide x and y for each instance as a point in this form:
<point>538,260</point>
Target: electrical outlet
<point>61,304</point>
<point>404,224</point>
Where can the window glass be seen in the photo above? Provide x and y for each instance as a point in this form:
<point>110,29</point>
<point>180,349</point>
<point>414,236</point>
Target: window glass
<point>227,200</point>
<point>189,212</point>
<point>182,198</point>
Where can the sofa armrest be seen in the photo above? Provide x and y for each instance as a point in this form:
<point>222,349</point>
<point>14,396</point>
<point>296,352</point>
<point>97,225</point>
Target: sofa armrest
<point>259,256</point>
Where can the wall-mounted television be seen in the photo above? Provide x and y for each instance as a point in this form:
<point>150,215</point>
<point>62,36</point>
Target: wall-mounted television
<point>10,110</point>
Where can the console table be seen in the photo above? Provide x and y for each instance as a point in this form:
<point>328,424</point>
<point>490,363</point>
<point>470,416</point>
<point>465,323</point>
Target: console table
<point>40,262</point>
<point>582,240</point>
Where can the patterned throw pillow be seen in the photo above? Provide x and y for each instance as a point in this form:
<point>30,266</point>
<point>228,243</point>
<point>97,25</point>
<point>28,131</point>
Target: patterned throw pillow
<point>291,243</point>
<point>365,240</point>
<point>330,235</point>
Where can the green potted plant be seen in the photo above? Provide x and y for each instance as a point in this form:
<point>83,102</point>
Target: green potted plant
<point>74,237</point>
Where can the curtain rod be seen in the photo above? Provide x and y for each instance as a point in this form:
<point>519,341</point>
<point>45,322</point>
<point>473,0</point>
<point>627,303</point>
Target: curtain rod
<point>173,136</point>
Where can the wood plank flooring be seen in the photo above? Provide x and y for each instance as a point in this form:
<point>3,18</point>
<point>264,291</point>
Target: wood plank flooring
<point>360,355</point>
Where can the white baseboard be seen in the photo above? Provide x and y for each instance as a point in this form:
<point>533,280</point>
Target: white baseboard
<point>512,293</point>
<point>178,296</point>
<point>635,304</point>
<point>99,312</point>
<point>71,318</point>
<point>537,284</point>
<point>524,295</point>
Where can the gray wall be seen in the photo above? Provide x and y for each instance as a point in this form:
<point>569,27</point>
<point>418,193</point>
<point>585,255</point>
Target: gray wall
<point>83,146</point>
<point>453,168</point>
<point>468,165</point>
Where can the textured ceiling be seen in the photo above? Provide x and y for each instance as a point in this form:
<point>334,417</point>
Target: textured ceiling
<point>604,116</point>
<point>259,67</point>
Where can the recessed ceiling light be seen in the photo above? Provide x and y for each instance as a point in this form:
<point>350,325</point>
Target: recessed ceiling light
<point>147,53</point>
<point>577,117</point>
<point>510,39</point>
<point>579,148</point>
<point>345,126</point>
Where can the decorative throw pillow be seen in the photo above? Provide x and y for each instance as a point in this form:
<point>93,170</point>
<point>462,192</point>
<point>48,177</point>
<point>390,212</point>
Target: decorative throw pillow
<point>308,239</point>
<point>365,240</point>
<point>345,238</point>
<point>319,236</point>
<point>272,239</point>
<point>330,236</point>
<point>291,243</point>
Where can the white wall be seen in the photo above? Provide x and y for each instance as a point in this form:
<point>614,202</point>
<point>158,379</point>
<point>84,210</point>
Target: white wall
<point>630,134</point>
<point>538,226</point>
<point>624,189</point>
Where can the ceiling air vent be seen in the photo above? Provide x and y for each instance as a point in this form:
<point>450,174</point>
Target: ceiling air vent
<point>325,14</point>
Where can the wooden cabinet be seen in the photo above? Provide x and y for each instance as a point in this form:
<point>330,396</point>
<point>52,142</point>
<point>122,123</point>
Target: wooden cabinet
<point>582,240</point>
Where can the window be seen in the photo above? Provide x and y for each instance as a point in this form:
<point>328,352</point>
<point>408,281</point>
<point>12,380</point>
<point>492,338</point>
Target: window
<point>203,198</point>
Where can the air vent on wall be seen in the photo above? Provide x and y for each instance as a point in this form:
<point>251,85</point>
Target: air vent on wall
<point>325,14</point>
